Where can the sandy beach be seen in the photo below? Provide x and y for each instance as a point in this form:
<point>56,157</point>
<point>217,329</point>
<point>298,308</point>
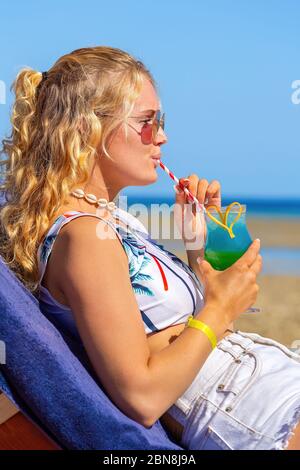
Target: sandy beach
<point>279,296</point>
<point>279,300</point>
<point>275,232</point>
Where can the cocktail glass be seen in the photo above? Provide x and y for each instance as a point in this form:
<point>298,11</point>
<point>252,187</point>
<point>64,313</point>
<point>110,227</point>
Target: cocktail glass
<point>227,237</point>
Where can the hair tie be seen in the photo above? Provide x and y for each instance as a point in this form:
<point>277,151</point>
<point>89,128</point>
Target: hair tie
<point>44,77</point>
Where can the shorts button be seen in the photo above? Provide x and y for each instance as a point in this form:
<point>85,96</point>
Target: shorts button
<point>238,361</point>
<point>221,387</point>
<point>228,409</point>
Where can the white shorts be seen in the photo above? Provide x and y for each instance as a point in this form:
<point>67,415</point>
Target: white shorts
<point>246,396</point>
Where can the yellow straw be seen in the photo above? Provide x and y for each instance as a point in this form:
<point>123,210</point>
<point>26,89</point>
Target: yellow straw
<point>224,220</point>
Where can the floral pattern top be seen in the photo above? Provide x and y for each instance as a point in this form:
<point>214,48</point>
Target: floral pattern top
<point>166,289</point>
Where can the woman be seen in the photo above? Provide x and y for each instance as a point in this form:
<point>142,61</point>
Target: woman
<point>83,131</point>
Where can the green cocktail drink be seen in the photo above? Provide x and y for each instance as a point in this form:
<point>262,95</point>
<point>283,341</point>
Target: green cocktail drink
<point>221,260</point>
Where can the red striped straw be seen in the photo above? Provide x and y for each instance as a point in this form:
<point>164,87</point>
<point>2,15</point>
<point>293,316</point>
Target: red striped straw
<point>187,192</point>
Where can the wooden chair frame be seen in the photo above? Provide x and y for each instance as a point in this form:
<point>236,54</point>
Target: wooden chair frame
<point>17,432</point>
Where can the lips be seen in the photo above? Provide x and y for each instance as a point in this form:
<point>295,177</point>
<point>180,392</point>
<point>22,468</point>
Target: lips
<point>156,159</point>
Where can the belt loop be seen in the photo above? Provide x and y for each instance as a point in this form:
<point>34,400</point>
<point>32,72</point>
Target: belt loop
<point>256,371</point>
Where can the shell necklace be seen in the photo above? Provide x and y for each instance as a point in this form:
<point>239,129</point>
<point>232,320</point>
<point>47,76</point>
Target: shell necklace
<point>92,199</point>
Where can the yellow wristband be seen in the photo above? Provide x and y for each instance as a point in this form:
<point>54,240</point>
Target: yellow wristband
<point>205,328</point>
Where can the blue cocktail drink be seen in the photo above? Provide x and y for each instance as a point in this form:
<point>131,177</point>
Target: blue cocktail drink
<point>221,249</point>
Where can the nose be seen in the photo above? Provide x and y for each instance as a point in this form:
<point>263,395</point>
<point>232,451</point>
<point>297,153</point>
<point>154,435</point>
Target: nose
<point>161,137</point>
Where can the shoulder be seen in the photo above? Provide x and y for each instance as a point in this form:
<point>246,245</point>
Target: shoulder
<point>79,245</point>
<point>84,245</point>
<point>88,225</point>
<point>91,235</point>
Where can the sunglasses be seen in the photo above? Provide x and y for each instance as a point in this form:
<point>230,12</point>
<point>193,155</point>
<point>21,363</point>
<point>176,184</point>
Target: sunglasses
<point>148,131</point>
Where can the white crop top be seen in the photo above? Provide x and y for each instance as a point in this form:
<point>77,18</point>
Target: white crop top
<point>167,291</point>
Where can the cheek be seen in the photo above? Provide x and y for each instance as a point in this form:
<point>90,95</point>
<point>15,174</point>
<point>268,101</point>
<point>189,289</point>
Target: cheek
<point>130,145</point>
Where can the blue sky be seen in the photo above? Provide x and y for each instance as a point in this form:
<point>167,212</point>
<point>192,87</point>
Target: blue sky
<point>224,68</point>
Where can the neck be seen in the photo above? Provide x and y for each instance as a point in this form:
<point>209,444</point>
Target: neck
<point>99,185</point>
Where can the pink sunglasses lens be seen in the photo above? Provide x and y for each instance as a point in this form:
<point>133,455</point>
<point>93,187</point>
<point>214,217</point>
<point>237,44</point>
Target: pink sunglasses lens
<point>147,133</point>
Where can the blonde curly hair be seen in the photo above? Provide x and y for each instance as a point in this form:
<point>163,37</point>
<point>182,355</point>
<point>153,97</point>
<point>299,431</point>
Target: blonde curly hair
<point>57,130</point>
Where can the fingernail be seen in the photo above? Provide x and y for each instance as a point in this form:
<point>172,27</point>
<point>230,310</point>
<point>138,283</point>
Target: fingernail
<point>257,240</point>
<point>177,189</point>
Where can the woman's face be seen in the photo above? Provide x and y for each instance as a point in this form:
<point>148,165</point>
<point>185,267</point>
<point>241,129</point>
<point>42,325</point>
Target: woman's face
<point>133,163</point>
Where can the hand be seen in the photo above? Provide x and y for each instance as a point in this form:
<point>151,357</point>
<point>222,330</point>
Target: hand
<point>189,220</point>
<point>234,290</point>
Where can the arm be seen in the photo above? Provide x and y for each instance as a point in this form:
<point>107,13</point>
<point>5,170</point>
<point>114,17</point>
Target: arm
<point>192,256</point>
<point>93,275</point>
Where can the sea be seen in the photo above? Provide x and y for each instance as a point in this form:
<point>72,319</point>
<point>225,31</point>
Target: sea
<point>283,208</point>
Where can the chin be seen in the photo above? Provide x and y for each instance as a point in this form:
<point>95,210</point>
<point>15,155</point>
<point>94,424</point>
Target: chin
<point>143,183</point>
<point>154,178</point>
<point>139,177</point>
